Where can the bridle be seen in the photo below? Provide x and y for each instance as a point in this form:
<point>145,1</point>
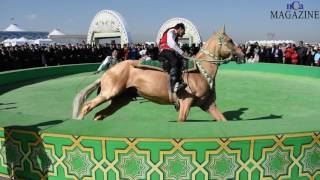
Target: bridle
<point>216,58</point>
<point>213,58</point>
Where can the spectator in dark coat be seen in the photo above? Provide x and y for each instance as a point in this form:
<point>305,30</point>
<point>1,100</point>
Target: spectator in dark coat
<point>133,53</point>
<point>278,54</point>
<point>153,51</point>
<point>302,53</point>
<point>310,56</point>
<point>193,49</point>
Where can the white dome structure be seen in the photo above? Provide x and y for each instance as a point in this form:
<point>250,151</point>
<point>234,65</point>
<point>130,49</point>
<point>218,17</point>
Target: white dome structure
<point>13,28</point>
<point>108,24</point>
<point>191,34</point>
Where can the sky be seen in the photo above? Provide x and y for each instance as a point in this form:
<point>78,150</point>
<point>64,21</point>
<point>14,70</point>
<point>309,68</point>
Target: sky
<point>244,19</point>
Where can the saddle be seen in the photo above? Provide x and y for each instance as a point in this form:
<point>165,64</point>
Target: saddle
<point>189,66</point>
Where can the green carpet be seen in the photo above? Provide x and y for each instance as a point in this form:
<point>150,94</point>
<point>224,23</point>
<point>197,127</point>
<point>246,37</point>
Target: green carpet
<point>256,103</point>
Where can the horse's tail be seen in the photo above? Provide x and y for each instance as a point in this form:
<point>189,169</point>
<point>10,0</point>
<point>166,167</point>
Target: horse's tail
<point>82,96</point>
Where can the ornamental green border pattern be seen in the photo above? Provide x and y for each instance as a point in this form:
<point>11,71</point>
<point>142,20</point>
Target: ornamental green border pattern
<point>28,155</point>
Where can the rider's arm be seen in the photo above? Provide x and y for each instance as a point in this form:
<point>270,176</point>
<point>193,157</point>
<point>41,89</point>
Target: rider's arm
<point>172,43</point>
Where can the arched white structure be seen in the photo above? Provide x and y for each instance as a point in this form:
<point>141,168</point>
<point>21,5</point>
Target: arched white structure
<point>191,34</point>
<point>108,24</point>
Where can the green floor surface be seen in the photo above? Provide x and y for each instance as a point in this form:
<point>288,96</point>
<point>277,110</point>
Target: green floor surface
<point>257,99</point>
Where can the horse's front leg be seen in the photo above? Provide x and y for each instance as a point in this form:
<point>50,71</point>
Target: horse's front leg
<point>215,113</point>
<point>185,105</point>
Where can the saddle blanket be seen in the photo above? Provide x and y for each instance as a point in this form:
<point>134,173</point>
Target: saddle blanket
<point>157,65</point>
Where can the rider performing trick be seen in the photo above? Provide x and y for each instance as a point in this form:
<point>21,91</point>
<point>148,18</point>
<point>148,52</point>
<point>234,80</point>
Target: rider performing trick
<point>171,52</point>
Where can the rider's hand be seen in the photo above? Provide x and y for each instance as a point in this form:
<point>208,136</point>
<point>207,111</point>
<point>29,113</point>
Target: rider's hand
<point>186,54</point>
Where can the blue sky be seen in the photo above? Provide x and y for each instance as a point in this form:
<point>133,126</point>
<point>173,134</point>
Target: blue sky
<point>244,19</point>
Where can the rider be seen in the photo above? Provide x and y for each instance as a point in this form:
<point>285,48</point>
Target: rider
<point>171,52</point>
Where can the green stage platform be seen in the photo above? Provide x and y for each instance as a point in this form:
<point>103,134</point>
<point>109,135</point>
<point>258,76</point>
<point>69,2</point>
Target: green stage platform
<point>272,132</point>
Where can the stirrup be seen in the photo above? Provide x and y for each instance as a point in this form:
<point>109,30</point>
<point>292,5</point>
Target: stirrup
<point>179,86</point>
<point>177,106</point>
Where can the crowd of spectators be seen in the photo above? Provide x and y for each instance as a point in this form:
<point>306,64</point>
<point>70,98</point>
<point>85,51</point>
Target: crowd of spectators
<point>28,56</point>
<point>301,54</point>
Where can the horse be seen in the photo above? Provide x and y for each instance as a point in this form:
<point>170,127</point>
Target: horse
<point>124,81</point>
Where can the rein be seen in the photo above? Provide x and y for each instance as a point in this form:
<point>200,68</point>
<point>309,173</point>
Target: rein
<point>212,58</point>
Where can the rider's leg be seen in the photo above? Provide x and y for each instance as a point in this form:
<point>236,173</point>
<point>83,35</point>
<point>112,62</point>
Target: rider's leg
<point>174,72</point>
<point>173,78</point>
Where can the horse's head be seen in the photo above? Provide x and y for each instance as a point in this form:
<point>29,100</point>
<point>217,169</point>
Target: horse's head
<point>221,46</point>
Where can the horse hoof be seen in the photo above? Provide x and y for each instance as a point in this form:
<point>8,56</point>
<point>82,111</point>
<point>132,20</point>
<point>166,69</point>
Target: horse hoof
<point>98,118</point>
<point>177,106</point>
<point>80,117</point>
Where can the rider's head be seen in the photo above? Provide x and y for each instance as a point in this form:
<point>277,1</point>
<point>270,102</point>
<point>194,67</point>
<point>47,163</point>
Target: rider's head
<point>180,28</point>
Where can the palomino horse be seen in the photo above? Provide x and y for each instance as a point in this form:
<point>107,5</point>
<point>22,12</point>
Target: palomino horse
<point>117,83</point>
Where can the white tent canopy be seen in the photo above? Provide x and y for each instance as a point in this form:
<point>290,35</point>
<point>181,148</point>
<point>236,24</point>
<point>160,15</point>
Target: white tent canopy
<point>23,40</point>
<point>42,41</point>
<point>13,28</point>
<point>56,32</point>
<point>15,41</point>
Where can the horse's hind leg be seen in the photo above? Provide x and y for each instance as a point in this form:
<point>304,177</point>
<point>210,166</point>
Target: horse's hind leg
<point>116,104</point>
<point>108,91</point>
<point>88,106</point>
<point>215,113</point>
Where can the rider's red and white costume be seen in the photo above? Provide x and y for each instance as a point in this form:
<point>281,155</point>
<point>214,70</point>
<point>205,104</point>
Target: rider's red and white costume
<point>169,40</point>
